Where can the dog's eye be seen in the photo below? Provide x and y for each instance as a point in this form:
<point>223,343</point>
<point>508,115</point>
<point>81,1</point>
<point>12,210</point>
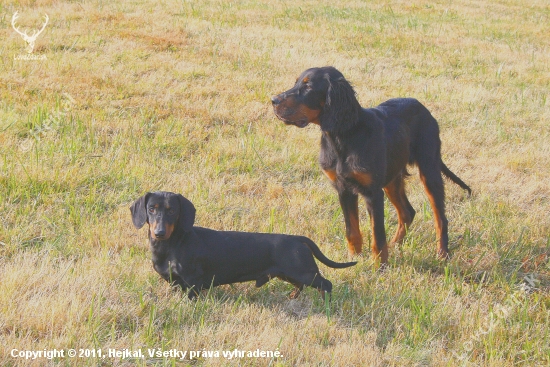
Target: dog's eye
<point>151,210</point>
<point>305,88</point>
<point>171,211</point>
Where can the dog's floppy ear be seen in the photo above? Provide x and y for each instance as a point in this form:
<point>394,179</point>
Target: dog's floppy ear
<point>187,214</point>
<point>341,109</point>
<point>139,211</point>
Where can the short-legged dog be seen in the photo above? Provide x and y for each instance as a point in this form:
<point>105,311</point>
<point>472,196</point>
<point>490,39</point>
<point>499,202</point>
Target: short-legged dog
<point>195,258</point>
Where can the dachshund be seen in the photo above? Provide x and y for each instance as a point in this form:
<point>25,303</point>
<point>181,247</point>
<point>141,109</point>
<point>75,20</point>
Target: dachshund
<point>366,151</point>
<point>195,258</point>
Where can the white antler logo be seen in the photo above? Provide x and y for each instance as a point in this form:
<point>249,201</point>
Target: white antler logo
<point>29,39</point>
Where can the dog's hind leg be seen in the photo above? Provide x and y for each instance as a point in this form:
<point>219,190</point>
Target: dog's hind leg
<point>323,286</point>
<point>298,286</point>
<point>315,280</point>
<point>433,183</point>
<point>430,165</point>
<point>395,191</point>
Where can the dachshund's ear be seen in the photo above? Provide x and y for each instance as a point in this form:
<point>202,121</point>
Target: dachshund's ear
<point>187,214</point>
<point>139,211</point>
<point>341,109</point>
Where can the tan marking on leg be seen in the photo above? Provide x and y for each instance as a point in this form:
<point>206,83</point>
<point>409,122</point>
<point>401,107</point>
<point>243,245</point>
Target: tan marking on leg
<point>331,174</point>
<point>441,252</point>
<point>364,179</point>
<point>380,255</point>
<point>354,237</point>
<point>440,223</point>
<point>396,195</point>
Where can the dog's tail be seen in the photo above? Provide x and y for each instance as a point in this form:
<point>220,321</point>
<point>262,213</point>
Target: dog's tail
<point>447,172</point>
<point>322,258</point>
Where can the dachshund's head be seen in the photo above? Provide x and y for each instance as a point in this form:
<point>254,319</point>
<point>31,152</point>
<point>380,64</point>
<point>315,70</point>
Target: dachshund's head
<point>321,96</point>
<point>165,212</point>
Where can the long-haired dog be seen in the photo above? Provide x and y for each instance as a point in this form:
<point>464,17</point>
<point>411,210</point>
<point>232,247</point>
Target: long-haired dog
<point>366,151</point>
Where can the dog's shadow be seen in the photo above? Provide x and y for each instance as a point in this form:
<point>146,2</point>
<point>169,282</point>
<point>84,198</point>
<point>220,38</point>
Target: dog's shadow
<point>275,297</point>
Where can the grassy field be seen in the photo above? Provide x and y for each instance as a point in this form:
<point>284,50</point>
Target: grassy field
<point>137,96</point>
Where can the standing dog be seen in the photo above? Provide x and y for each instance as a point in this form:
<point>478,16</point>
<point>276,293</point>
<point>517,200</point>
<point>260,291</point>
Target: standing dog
<point>366,151</point>
<point>195,258</point>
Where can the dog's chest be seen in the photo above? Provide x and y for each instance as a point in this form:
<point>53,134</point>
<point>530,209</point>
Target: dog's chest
<point>168,266</point>
<point>344,166</point>
<point>348,178</point>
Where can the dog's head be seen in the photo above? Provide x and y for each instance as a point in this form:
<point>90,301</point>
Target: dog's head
<point>165,212</point>
<point>320,96</point>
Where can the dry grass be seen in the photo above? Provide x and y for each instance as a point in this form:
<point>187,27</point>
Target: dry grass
<point>174,95</point>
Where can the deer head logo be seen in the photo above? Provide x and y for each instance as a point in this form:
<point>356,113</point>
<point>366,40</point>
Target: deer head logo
<point>32,38</point>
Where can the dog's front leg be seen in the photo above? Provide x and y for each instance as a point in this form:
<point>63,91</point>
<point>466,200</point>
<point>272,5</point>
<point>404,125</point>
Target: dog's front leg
<point>195,283</point>
<point>375,207</point>
<point>178,282</point>
<point>195,288</point>
<point>348,202</point>
<point>194,292</point>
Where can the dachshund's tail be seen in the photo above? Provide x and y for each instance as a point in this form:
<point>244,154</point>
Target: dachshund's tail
<point>322,258</point>
<point>450,175</point>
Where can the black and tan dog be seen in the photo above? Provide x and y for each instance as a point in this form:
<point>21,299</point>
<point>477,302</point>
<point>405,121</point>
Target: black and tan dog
<point>366,151</point>
<point>196,258</point>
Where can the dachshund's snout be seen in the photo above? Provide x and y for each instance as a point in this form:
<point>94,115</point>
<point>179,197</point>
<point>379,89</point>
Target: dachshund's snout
<point>160,232</point>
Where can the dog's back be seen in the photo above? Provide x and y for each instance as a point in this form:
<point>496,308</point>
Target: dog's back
<point>251,252</point>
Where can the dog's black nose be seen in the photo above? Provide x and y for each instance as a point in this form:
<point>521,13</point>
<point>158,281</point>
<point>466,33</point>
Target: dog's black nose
<point>275,100</point>
<point>160,233</point>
